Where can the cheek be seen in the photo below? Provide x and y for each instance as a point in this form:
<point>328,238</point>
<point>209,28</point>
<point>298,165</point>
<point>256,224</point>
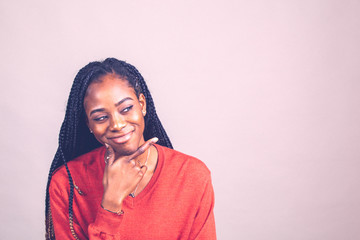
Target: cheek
<point>99,130</point>
<point>138,118</point>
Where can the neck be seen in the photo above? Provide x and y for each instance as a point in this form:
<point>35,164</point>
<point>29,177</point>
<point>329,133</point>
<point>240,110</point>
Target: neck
<point>144,158</point>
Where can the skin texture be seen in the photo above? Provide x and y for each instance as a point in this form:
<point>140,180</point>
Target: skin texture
<point>115,115</point>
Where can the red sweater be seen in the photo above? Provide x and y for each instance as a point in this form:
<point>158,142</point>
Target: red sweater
<point>177,203</point>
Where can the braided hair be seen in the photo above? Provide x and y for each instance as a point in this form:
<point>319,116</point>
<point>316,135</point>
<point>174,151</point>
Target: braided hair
<point>75,138</point>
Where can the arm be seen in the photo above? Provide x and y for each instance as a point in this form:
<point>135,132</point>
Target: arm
<point>59,208</point>
<point>204,224</point>
<point>120,178</point>
<point>105,226</point>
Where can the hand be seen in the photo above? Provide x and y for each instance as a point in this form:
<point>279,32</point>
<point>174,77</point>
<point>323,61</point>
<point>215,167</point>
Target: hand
<point>122,175</point>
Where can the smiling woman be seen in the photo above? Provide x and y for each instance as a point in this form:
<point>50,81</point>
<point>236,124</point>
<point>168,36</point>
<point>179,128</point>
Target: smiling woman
<point>115,174</point>
<point>115,115</point>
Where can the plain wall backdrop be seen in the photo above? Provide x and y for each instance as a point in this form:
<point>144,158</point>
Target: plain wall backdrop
<point>266,93</point>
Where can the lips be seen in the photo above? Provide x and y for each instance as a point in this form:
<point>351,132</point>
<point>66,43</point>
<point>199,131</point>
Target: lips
<point>121,139</point>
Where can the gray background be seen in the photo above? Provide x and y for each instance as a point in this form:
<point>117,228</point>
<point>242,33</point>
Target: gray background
<point>266,93</point>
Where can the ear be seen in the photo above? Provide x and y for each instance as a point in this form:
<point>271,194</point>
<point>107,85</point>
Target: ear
<point>142,102</point>
<point>87,124</point>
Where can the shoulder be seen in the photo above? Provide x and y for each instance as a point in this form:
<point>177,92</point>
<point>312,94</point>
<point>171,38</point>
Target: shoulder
<point>183,175</point>
<point>78,166</point>
<point>179,162</point>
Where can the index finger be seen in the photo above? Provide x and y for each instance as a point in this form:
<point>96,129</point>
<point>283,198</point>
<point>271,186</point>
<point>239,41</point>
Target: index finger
<point>109,154</point>
<point>144,147</point>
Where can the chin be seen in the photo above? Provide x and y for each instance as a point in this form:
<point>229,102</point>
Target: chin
<point>124,152</point>
<point>125,149</point>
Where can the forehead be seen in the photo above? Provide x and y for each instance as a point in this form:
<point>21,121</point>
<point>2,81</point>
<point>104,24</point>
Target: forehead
<point>109,90</point>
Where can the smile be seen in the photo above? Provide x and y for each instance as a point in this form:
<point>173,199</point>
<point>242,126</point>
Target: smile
<point>122,139</point>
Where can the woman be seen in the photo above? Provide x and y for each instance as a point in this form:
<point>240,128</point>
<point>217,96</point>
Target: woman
<point>109,180</point>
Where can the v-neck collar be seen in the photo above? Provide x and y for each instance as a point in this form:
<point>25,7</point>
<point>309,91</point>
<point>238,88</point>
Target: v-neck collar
<point>132,202</point>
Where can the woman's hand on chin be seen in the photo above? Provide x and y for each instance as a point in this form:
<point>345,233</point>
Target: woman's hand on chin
<point>122,175</point>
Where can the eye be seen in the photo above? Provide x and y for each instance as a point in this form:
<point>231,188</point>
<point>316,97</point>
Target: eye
<point>127,109</point>
<point>101,118</point>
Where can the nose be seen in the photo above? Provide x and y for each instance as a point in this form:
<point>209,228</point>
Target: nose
<point>116,123</point>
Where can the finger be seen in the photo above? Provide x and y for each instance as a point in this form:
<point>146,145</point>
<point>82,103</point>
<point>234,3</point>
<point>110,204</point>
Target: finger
<point>109,155</point>
<point>144,147</point>
<point>132,162</point>
<point>140,171</point>
<point>143,169</point>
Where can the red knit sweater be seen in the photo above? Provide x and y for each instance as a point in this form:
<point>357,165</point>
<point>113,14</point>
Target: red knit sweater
<point>177,203</point>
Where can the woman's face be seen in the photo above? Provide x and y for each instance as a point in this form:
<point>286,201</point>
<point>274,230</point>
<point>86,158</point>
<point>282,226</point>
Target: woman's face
<point>115,115</point>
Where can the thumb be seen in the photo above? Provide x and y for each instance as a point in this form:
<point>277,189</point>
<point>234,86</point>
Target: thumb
<point>109,154</point>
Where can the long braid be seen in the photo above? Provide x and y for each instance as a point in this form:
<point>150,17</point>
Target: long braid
<point>71,182</point>
<point>67,141</point>
<point>71,198</point>
<point>49,227</point>
<point>75,138</point>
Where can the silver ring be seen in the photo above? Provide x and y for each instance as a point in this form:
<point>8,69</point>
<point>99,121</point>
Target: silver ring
<point>107,159</point>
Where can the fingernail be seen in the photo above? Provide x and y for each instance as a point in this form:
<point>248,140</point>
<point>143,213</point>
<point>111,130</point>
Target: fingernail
<point>155,139</point>
<point>106,145</point>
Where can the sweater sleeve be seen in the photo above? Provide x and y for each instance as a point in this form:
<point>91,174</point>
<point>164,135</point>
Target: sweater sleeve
<point>204,224</point>
<point>60,213</point>
<point>106,225</point>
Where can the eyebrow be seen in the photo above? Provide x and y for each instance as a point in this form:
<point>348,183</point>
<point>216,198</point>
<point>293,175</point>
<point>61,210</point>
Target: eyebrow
<point>116,104</point>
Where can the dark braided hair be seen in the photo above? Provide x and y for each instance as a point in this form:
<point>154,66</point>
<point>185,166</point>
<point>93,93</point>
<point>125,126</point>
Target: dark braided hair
<point>75,138</point>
